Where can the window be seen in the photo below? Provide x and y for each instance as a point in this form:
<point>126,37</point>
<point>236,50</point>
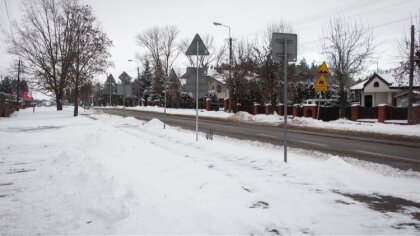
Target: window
<point>212,87</point>
<point>376,84</point>
<point>219,88</point>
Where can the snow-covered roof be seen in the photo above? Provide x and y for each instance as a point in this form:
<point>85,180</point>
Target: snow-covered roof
<point>359,86</point>
<point>392,81</point>
<point>220,77</point>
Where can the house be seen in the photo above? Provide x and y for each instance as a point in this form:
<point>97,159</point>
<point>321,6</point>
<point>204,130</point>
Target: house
<point>217,82</point>
<point>382,89</point>
<point>173,84</point>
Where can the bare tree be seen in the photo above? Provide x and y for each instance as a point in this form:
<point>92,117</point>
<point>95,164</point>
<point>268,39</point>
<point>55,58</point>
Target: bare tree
<point>170,48</point>
<point>242,70</point>
<point>347,45</point>
<point>161,45</point>
<point>38,41</point>
<point>403,69</point>
<point>151,40</point>
<point>281,26</point>
<point>89,46</point>
<point>220,56</point>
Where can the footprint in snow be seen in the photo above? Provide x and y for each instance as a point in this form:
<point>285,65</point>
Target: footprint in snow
<point>260,204</point>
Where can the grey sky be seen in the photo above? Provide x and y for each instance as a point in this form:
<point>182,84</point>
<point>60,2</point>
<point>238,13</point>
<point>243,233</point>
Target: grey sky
<point>248,19</point>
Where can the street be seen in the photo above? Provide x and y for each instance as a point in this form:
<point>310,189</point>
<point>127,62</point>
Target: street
<point>393,152</point>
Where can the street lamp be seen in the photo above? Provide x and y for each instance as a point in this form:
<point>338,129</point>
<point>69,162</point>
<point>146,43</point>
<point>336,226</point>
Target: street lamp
<point>230,64</point>
<point>138,78</point>
<point>164,107</point>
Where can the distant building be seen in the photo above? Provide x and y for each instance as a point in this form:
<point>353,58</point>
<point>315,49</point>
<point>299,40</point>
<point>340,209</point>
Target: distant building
<point>383,89</point>
<point>125,88</point>
<point>190,78</point>
<point>217,82</point>
<point>210,80</point>
<point>174,84</point>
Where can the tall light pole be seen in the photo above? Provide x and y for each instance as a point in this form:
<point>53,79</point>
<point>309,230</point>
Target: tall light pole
<point>230,65</point>
<point>138,79</point>
<point>17,88</point>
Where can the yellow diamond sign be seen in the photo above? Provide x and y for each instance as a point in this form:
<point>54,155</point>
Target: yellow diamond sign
<point>321,85</point>
<point>324,69</point>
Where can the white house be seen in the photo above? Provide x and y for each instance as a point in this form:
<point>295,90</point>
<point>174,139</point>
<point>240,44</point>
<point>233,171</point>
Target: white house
<point>382,89</point>
<point>217,82</point>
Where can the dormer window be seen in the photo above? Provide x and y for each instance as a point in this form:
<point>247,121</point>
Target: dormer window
<point>376,84</point>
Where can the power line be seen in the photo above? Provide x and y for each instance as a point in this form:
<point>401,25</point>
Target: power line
<point>8,16</point>
<point>396,21</point>
<point>385,7</point>
<point>376,26</point>
<point>334,11</point>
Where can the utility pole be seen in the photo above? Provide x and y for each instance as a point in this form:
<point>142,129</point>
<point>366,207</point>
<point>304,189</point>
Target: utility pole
<point>110,91</point>
<point>138,83</point>
<point>17,87</point>
<point>230,73</point>
<point>410,83</point>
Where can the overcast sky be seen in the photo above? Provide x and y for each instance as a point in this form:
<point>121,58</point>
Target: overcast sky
<point>122,20</point>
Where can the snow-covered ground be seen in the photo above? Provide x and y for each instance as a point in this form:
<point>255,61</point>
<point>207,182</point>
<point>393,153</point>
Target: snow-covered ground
<point>102,174</point>
<point>341,124</point>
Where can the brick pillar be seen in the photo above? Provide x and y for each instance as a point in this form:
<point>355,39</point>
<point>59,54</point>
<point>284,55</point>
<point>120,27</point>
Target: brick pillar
<point>238,107</point>
<point>355,110</point>
<point>226,104</point>
<point>295,110</point>
<point>267,108</point>
<point>280,109</point>
<point>415,116</point>
<point>208,104</point>
<point>310,110</point>
<point>255,108</point>
<point>382,113</point>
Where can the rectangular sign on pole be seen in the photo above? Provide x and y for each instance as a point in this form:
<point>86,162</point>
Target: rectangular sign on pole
<point>124,89</point>
<point>284,48</point>
<point>277,44</point>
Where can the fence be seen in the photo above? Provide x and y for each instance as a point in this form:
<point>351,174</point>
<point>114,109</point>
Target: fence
<point>397,113</point>
<point>329,113</point>
<point>368,113</point>
<point>8,105</point>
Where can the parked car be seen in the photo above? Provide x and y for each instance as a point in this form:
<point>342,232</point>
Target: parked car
<point>321,102</point>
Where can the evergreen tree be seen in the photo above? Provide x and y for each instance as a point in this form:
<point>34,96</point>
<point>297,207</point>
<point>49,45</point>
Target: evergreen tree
<point>158,81</point>
<point>146,79</point>
<point>6,85</point>
<point>110,81</point>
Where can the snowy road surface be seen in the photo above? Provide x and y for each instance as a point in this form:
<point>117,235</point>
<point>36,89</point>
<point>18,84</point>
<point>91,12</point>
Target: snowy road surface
<point>110,175</point>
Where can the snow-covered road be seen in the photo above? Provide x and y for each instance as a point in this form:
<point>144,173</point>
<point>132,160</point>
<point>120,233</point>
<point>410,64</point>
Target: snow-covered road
<point>98,174</point>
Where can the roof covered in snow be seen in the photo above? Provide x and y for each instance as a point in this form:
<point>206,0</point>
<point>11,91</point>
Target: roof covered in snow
<point>391,80</point>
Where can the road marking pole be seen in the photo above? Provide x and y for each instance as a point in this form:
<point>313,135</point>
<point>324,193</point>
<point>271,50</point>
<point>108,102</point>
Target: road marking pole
<point>285,100</point>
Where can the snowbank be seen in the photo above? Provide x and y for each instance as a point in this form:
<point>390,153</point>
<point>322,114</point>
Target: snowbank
<point>101,174</point>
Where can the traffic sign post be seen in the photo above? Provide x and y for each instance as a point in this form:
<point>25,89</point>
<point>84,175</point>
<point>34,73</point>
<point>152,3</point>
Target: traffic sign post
<point>197,48</point>
<point>324,69</point>
<point>284,48</point>
<point>321,84</point>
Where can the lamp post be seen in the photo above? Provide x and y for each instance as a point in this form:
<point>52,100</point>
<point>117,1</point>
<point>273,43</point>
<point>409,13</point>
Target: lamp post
<point>138,79</point>
<point>164,106</point>
<point>17,88</point>
<point>230,64</point>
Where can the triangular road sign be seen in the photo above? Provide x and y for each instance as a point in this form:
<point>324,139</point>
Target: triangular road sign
<point>321,85</point>
<point>192,49</point>
<point>324,69</point>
